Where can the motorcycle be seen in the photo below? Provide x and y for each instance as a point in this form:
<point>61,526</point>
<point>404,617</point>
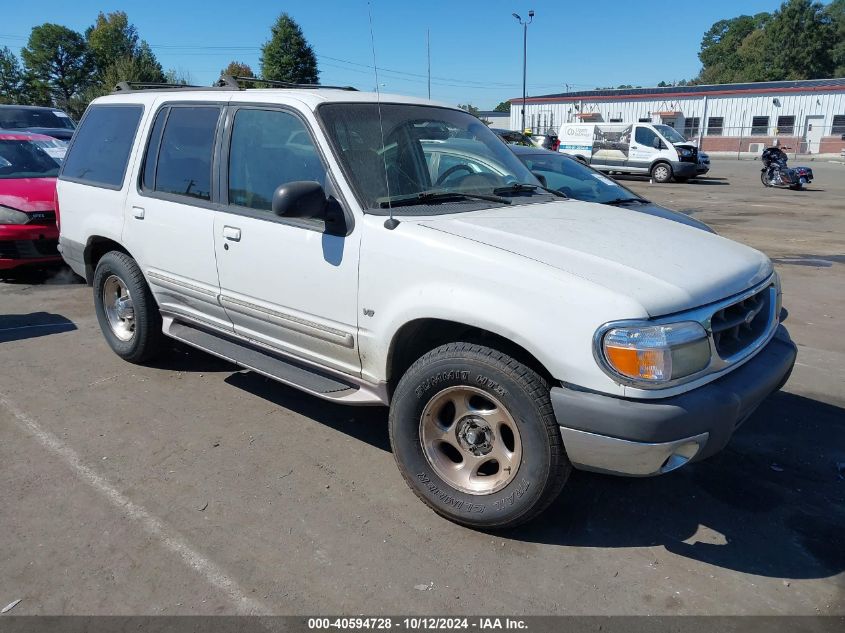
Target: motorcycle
<point>775,173</point>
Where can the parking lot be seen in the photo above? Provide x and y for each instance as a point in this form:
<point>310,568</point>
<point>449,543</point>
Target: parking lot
<point>190,487</point>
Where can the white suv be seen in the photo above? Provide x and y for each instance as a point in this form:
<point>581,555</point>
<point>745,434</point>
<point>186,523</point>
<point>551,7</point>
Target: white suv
<point>514,333</point>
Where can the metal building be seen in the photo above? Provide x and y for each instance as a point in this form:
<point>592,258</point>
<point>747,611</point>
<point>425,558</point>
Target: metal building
<point>808,116</point>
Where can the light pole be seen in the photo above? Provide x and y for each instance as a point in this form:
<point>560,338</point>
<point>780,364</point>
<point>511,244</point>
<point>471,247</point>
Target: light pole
<point>524,56</point>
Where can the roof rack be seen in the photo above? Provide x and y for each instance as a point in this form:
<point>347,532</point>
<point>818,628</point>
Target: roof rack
<point>235,81</point>
<point>135,86</point>
<point>226,82</point>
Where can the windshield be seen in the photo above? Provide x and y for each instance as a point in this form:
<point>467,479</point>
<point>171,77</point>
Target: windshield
<point>24,159</point>
<point>575,179</point>
<point>670,134</point>
<point>19,118</point>
<point>426,150</point>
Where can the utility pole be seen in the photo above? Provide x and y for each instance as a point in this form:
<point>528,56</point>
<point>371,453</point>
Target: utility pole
<point>524,56</point>
<point>428,56</point>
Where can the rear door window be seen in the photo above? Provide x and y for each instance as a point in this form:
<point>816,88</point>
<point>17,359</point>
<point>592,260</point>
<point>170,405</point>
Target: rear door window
<point>100,149</point>
<point>185,154</point>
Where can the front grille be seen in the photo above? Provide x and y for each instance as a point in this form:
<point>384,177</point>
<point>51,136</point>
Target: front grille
<point>28,249</point>
<point>737,327</point>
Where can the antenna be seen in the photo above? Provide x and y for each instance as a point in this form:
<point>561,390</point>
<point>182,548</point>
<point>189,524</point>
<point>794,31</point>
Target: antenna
<point>391,223</point>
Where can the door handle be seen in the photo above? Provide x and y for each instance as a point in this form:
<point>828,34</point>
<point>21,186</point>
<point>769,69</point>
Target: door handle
<point>232,233</point>
<point>634,147</point>
<point>138,212</point>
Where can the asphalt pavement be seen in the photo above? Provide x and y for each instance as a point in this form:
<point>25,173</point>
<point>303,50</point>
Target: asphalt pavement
<point>191,487</point>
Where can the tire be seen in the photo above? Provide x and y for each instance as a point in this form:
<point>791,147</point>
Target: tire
<point>766,182</point>
<point>126,310</point>
<point>661,172</point>
<point>468,404</point>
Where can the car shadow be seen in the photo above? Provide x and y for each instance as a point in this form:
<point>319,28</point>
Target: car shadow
<point>365,423</point>
<point>18,327</point>
<point>49,275</point>
<point>181,357</point>
<point>691,181</point>
<point>771,504</point>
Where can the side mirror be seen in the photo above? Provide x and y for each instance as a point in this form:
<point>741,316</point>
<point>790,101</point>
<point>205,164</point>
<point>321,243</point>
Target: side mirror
<point>541,178</point>
<point>301,199</point>
<point>656,144</point>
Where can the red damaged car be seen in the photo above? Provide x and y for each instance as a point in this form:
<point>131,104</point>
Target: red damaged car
<point>28,231</point>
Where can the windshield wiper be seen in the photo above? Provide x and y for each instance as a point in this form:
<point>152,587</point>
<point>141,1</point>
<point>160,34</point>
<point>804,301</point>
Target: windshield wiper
<point>519,187</point>
<point>626,200</point>
<point>427,197</point>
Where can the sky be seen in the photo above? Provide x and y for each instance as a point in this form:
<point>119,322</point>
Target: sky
<point>476,46</point>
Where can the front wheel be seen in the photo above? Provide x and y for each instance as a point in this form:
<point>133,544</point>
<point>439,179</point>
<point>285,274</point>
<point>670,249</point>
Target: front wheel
<point>661,173</point>
<point>475,437</point>
<point>764,178</point>
<point>125,307</point>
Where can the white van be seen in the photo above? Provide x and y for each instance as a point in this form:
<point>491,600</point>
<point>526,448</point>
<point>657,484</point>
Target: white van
<point>636,148</point>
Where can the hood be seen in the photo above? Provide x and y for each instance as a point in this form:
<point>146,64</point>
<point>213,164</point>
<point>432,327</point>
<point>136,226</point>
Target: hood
<point>663,265</point>
<point>28,194</point>
<point>650,208</point>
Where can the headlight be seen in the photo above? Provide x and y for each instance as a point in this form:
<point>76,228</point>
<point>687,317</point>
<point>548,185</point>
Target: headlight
<point>686,152</point>
<point>12,216</point>
<point>655,354</point>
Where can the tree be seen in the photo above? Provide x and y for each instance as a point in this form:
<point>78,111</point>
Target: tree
<point>118,54</point>
<point>11,77</point>
<point>719,55</point>
<point>178,76</point>
<point>836,11</point>
<point>287,56</point>
<point>799,41</point>
<point>56,59</point>
<point>505,106</point>
<point>111,38</point>
<point>469,108</point>
<point>802,39</point>
<point>237,69</point>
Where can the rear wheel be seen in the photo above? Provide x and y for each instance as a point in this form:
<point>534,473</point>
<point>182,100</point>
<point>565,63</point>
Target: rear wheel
<point>475,437</point>
<point>661,172</point>
<point>126,310</point>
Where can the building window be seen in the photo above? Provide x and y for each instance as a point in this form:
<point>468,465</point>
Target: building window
<point>616,120</point>
<point>760,126</point>
<point>714,125</point>
<point>838,124</point>
<point>645,119</point>
<point>691,126</point>
<point>786,125</point>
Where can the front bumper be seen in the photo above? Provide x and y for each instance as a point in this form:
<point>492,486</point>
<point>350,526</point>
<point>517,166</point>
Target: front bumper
<point>683,169</point>
<point>28,244</point>
<point>642,437</point>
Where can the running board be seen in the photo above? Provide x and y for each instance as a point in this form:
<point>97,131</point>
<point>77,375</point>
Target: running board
<point>264,362</point>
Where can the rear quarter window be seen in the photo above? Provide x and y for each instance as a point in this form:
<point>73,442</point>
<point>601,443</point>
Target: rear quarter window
<point>99,152</point>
